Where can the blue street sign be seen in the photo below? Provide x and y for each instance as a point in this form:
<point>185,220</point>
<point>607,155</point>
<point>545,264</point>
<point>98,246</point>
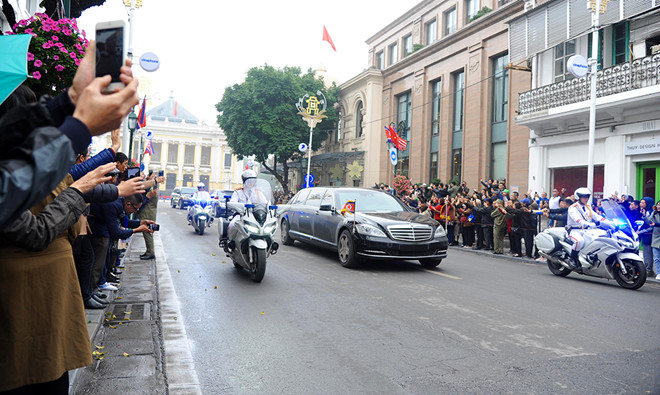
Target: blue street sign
<point>309,180</point>
<point>394,156</point>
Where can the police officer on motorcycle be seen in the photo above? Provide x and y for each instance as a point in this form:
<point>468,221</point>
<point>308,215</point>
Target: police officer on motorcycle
<point>201,194</point>
<point>581,217</point>
<point>244,195</point>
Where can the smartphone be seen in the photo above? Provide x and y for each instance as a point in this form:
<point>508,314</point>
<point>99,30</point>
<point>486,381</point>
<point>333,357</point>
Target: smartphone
<point>154,227</point>
<point>110,52</point>
<point>132,172</point>
<point>161,173</point>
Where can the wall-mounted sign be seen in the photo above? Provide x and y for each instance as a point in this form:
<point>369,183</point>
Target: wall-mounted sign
<point>577,65</point>
<point>643,147</point>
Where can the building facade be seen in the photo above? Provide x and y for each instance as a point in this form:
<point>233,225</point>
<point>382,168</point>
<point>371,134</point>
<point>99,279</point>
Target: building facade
<point>445,85</point>
<point>627,154</point>
<point>187,150</point>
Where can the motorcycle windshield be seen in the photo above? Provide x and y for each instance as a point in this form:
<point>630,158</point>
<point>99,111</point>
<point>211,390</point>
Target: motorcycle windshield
<point>614,213</point>
<point>203,198</point>
<point>258,191</point>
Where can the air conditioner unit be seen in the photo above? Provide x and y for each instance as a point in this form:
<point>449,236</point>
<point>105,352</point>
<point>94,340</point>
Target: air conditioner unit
<point>655,49</point>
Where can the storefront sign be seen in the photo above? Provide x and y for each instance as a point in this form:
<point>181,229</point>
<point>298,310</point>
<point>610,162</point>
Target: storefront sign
<point>643,147</point>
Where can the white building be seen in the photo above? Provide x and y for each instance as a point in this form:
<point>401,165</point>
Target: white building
<point>627,146</point>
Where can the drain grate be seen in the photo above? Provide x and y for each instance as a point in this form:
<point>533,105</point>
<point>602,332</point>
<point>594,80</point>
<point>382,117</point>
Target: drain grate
<point>128,312</point>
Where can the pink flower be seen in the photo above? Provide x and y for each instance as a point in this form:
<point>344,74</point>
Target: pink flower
<point>77,62</point>
<point>46,45</point>
<point>30,56</point>
<point>59,67</point>
<point>55,57</point>
<point>55,38</point>
<point>73,55</point>
<point>79,47</point>
<point>29,31</point>
<point>45,28</point>
<point>36,75</point>
<point>66,31</point>
<point>62,49</point>
<point>38,63</point>
<point>59,45</point>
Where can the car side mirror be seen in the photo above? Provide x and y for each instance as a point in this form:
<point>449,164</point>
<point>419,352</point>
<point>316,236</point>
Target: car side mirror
<point>326,207</point>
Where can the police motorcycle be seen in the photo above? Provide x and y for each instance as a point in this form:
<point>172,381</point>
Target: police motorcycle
<point>200,213</point>
<point>611,250</point>
<point>247,237</point>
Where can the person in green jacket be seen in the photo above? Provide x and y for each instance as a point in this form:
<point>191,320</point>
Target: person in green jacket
<point>499,227</point>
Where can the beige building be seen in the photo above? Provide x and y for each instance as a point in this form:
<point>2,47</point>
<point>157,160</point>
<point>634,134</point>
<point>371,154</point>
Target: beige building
<point>187,150</point>
<point>439,73</point>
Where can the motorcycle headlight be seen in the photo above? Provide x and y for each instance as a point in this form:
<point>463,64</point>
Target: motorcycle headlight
<point>369,230</point>
<point>440,232</point>
<point>251,228</point>
<point>270,228</point>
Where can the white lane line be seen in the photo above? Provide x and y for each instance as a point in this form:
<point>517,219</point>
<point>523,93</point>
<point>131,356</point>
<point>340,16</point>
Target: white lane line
<point>441,274</point>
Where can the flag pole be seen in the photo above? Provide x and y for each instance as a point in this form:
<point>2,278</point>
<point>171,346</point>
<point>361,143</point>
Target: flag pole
<point>309,156</point>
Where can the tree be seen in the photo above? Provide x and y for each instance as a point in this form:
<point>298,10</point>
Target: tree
<point>54,8</point>
<point>259,116</point>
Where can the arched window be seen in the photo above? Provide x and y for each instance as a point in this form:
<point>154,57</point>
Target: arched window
<point>358,120</point>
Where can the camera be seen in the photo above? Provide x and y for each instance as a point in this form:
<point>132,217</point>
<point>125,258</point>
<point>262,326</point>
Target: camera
<point>112,173</point>
<point>154,227</point>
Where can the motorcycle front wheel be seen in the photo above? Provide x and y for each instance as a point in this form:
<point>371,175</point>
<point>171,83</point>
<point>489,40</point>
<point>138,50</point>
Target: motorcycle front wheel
<point>258,266</point>
<point>635,276</point>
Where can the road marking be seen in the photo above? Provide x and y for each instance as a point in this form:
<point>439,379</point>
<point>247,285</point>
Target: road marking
<point>441,274</point>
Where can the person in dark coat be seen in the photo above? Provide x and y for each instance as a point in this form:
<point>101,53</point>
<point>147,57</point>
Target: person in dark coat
<point>559,216</point>
<point>645,233</point>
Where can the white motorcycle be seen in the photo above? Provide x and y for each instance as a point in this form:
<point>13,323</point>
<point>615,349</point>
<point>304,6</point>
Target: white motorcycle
<point>610,252</point>
<point>200,214</point>
<point>249,239</point>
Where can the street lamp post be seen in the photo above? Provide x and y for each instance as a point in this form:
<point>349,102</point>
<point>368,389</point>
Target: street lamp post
<point>132,124</point>
<point>312,114</point>
<point>593,62</point>
<point>131,5</point>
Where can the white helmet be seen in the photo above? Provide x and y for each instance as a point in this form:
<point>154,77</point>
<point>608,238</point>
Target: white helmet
<point>201,186</point>
<point>582,192</point>
<point>248,174</point>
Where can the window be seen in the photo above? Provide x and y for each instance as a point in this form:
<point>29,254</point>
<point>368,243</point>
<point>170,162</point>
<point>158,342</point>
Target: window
<point>172,154</point>
<point>498,132</point>
<point>471,9</point>
<point>431,32</point>
<point>300,197</point>
<point>189,155</point>
<point>393,55</point>
<point>434,166</point>
<point>404,112</point>
<point>158,148</point>
<point>358,120</point>
<point>328,198</point>
<point>314,199</point>
<point>407,45</point>
<point>403,166</point>
<point>500,89</point>
<point>338,134</point>
<point>228,161</point>
<point>457,134</point>
<point>620,43</point>
<point>436,96</point>
<point>206,156</point>
<point>450,21</point>
<point>380,60</point>
<point>459,87</point>
<point>563,51</point>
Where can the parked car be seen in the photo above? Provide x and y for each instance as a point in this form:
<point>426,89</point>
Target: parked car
<point>218,202</point>
<point>181,197</point>
<point>381,227</point>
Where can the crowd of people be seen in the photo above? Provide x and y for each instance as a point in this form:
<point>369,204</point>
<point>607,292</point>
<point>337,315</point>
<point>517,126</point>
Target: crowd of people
<point>481,219</point>
<point>61,213</point>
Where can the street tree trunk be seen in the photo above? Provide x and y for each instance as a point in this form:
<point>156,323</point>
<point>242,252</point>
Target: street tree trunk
<point>282,179</point>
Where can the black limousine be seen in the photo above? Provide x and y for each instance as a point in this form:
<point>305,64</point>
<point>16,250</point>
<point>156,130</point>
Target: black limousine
<point>362,223</point>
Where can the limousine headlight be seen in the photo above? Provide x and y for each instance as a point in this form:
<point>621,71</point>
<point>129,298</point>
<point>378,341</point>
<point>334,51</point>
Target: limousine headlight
<point>370,230</point>
<point>440,232</point>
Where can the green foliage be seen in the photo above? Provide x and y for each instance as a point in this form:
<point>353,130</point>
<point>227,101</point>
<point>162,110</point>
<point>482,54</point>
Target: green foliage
<point>260,118</point>
<point>483,11</point>
<point>436,181</point>
<point>417,47</point>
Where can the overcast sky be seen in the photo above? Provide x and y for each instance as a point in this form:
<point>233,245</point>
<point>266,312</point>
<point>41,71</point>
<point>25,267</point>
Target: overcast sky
<point>207,45</point>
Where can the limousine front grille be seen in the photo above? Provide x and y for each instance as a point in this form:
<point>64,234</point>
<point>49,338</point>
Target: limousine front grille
<point>410,232</point>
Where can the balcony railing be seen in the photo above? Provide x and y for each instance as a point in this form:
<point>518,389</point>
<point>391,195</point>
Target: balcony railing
<point>640,73</point>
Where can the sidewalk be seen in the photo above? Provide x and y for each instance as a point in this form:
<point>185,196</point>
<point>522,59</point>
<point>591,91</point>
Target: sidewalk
<point>129,346</point>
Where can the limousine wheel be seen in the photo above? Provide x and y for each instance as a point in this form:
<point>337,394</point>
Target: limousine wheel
<point>284,234</point>
<point>430,263</point>
<point>346,250</point>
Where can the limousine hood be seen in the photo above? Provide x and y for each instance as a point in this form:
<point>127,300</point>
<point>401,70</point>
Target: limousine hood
<point>389,218</point>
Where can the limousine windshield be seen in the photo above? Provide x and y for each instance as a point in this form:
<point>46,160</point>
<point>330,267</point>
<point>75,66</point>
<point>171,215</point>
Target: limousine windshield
<point>370,201</point>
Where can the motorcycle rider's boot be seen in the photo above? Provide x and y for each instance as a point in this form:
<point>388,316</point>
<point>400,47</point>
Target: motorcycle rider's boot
<point>575,262</point>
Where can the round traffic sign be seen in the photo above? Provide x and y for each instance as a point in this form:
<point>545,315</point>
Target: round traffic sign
<point>148,135</point>
<point>149,62</point>
<point>309,179</point>
<point>394,156</point>
<point>302,147</point>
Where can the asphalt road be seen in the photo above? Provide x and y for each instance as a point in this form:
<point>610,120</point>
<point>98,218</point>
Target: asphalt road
<point>477,324</point>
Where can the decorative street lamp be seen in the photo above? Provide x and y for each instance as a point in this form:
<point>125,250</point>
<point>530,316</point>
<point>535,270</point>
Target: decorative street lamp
<point>132,124</point>
<point>313,114</point>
